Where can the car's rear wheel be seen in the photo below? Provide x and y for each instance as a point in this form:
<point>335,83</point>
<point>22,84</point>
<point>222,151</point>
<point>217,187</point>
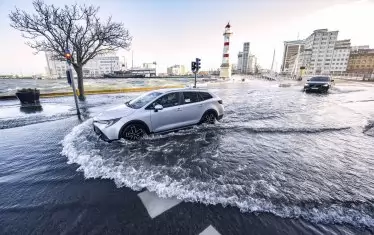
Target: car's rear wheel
<point>133,132</point>
<point>209,118</point>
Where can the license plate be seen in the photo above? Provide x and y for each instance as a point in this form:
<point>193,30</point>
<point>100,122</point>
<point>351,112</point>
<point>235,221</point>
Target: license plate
<point>314,88</point>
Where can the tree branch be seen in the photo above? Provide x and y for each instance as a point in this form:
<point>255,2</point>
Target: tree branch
<point>75,27</point>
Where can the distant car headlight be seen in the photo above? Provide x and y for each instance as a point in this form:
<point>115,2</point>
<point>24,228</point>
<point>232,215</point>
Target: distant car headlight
<point>108,122</point>
<point>325,85</point>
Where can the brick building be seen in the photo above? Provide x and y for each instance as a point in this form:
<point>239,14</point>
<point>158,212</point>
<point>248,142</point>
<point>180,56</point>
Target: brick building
<point>361,61</point>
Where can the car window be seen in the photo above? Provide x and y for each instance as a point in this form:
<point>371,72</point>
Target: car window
<point>190,97</point>
<point>168,100</point>
<point>320,79</point>
<point>205,95</point>
<point>142,100</point>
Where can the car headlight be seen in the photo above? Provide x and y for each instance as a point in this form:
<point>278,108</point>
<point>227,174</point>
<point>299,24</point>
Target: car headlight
<point>108,122</point>
<point>325,85</point>
<point>306,85</point>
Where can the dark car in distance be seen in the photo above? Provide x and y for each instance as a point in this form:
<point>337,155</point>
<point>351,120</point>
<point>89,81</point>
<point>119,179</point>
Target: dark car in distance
<point>318,84</point>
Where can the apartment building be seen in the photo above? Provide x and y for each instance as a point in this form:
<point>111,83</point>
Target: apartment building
<point>361,61</point>
<point>246,61</point>
<point>96,67</point>
<point>320,53</point>
<point>176,70</point>
<point>291,49</point>
<point>339,62</point>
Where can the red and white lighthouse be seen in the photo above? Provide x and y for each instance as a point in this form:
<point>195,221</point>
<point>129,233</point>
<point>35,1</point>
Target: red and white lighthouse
<point>225,70</point>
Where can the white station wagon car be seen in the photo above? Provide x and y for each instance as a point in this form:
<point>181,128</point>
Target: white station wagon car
<point>158,111</point>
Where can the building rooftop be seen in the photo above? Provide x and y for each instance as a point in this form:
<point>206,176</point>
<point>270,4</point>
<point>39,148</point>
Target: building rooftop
<point>362,51</point>
<point>294,42</point>
<point>320,30</point>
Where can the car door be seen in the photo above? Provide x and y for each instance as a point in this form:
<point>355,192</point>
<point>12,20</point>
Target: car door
<point>170,116</point>
<point>192,108</point>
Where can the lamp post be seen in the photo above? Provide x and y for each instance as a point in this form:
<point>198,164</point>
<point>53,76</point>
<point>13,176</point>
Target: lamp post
<point>70,77</point>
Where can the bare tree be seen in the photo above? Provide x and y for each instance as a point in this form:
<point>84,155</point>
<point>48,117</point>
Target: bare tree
<point>76,27</point>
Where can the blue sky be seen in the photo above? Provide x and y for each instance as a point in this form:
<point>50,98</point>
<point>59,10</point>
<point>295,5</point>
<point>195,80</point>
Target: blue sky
<point>176,31</point>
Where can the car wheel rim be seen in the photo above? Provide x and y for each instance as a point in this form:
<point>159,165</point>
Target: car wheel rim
<point>134,133</point>
<point>209,118</point>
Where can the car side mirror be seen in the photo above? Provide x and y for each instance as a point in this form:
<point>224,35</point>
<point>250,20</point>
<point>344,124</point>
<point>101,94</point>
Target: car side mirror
<point>332,80</point>
<point>158,107</point>
<point>307,80</point>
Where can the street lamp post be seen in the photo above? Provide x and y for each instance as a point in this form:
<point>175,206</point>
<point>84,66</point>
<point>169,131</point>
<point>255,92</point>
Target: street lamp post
<point>70,77</point>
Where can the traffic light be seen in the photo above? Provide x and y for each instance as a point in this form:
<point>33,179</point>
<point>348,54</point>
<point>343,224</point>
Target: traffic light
<point>193,66</point>
<point>68,56</point>
<point>198,64</point>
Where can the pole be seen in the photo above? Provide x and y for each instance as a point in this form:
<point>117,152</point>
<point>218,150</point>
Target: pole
<point>195,80</point>
<point>297,60</point>
<point>74,92</point>
<point>132,59</point>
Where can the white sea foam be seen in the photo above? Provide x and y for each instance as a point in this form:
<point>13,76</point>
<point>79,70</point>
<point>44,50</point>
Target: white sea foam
<point>90,155</point>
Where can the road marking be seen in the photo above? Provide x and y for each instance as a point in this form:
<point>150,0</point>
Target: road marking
<point>210,230</point>
<point>156,205</point>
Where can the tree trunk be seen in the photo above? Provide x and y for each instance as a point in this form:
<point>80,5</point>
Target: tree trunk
<point>79,70</point>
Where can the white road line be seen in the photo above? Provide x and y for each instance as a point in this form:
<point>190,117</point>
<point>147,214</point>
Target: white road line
<point>210,230</point>
<point>156,205</point>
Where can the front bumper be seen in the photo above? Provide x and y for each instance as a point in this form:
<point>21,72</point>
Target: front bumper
<point>102,131</point>
<point>316,89</point>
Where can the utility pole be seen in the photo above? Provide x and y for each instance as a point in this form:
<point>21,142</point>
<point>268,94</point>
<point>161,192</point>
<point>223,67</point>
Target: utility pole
<point>70,77</point>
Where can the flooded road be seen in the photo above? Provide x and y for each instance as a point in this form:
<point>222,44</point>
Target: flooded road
<point>280,161</point>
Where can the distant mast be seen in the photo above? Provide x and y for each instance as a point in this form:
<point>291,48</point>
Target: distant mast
<point>132,59</point>
<point>225,70</point>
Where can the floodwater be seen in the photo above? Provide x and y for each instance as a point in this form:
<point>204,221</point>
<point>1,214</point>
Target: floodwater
<point>280,161</point>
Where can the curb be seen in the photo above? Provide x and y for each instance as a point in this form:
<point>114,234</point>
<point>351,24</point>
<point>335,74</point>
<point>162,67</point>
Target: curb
<point>95,92</point>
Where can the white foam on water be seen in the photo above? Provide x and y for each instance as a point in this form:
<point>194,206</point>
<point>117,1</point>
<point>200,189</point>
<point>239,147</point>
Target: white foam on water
<point>82,150</point>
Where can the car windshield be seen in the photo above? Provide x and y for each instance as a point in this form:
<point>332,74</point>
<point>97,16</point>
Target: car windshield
<point>142,100</point>
<point>320,79</point>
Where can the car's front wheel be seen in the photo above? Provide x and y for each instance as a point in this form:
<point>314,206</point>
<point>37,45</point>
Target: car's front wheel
<point>209,118</point>
<point>133,132</point>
